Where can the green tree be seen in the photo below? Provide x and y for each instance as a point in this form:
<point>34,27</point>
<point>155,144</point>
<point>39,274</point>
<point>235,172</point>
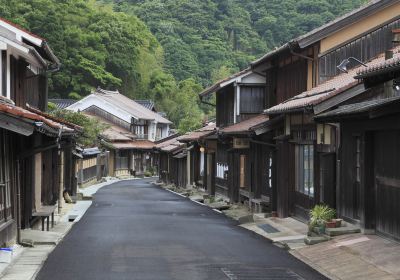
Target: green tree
<point>92,128</point>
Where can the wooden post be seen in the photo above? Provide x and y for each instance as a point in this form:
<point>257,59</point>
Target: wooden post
<point>188,159</point>
<point>61,185</point>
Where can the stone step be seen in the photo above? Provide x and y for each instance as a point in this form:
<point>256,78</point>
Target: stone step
<point>311,240</point>
<point>342,230</point>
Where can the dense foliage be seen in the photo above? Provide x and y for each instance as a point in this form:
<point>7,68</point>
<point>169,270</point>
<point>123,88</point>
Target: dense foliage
<point>200,37</point>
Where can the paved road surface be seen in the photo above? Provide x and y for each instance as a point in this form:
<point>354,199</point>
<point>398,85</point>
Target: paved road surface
<point>135,230</point>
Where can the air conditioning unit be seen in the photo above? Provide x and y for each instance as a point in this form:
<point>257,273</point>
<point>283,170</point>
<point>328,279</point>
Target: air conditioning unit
<point>241,143</point>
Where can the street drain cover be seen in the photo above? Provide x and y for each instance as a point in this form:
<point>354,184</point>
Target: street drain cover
<point>268,228</point>
<point>103,204</point>
<point>249,273</point>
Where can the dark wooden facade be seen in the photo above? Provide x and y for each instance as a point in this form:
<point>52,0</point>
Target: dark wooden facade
<point>172,168</point>
<point>36,162</point>
<point>295,68</point>
<point>225,106</point>
<point>8,186</point>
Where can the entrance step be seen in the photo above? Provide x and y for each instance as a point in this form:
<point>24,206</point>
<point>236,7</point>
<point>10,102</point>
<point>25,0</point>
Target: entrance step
<point>348,229</point>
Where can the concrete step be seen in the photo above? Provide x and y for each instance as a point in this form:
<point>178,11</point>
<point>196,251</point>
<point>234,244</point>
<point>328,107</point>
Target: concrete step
<point>311,240</point>
<point>349,229</point>
<point>37,237</point>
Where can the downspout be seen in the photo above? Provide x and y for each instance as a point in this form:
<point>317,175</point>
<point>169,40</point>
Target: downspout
<point>60,164</point>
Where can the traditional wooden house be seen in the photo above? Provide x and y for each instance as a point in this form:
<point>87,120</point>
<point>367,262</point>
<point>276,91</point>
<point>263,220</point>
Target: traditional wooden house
<point>236,160</point>
<point>89,167</point>
<point>302,73</point>
<point>172,161</point>
<point>131,130</point>
<point>196,154</point>
<point>248,154</point>
<point>34,146</point>
<point>369,186</point>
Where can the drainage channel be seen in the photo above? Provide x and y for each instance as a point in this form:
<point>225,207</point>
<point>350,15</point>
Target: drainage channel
<point>72,218</point>
<point>250,273</point>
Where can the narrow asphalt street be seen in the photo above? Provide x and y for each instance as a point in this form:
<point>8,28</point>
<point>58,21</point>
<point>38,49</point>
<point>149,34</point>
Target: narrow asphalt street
<point>135,230</point>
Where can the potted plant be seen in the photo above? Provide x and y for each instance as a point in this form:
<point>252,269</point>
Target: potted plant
<point>320,217</point>
<point>338,222</point>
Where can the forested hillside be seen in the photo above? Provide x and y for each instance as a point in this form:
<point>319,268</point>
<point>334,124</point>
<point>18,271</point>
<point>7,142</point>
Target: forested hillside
<point>100,47</point>
<point>209,38</point>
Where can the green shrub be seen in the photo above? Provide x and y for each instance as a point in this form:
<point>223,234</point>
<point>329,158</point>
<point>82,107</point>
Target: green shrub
<point>321,214</point>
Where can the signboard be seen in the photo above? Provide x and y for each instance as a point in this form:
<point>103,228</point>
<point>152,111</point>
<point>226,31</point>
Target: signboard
<point>241,143</point>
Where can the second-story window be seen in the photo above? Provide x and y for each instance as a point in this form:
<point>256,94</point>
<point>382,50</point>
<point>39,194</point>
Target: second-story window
<point>141,131</point>
<point>159,133</point>
<point>251,100</point>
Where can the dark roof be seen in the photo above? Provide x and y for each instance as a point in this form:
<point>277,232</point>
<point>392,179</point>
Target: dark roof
<point>170,146</point>
<point>39,49</point>
<point>356,109</point>
<point>149,104</point>
<point>197,134</point>
<point>62,103</point>
<point>245,126</point>
<point>217,85</point>
<point>329,28</point>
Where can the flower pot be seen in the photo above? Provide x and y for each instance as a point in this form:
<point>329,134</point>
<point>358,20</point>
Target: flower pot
<point>338,222</point>
<point>330,224</point>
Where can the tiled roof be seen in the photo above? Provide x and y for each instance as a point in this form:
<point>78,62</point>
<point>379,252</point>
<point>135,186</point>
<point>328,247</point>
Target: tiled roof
<point>149,104</point>
<point>62,121</point>
<point>170,145</point>
<point>113,132</point>
<point>117,104</point>
<point>326,90</point>
<point>246,125</point>
<point>392,64</point>
<point>197,134</point>
<point>128,105</point>
<point>62,103</point>
<point>357,108</point>
<point>137,144</point>
<point>7,107</point>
